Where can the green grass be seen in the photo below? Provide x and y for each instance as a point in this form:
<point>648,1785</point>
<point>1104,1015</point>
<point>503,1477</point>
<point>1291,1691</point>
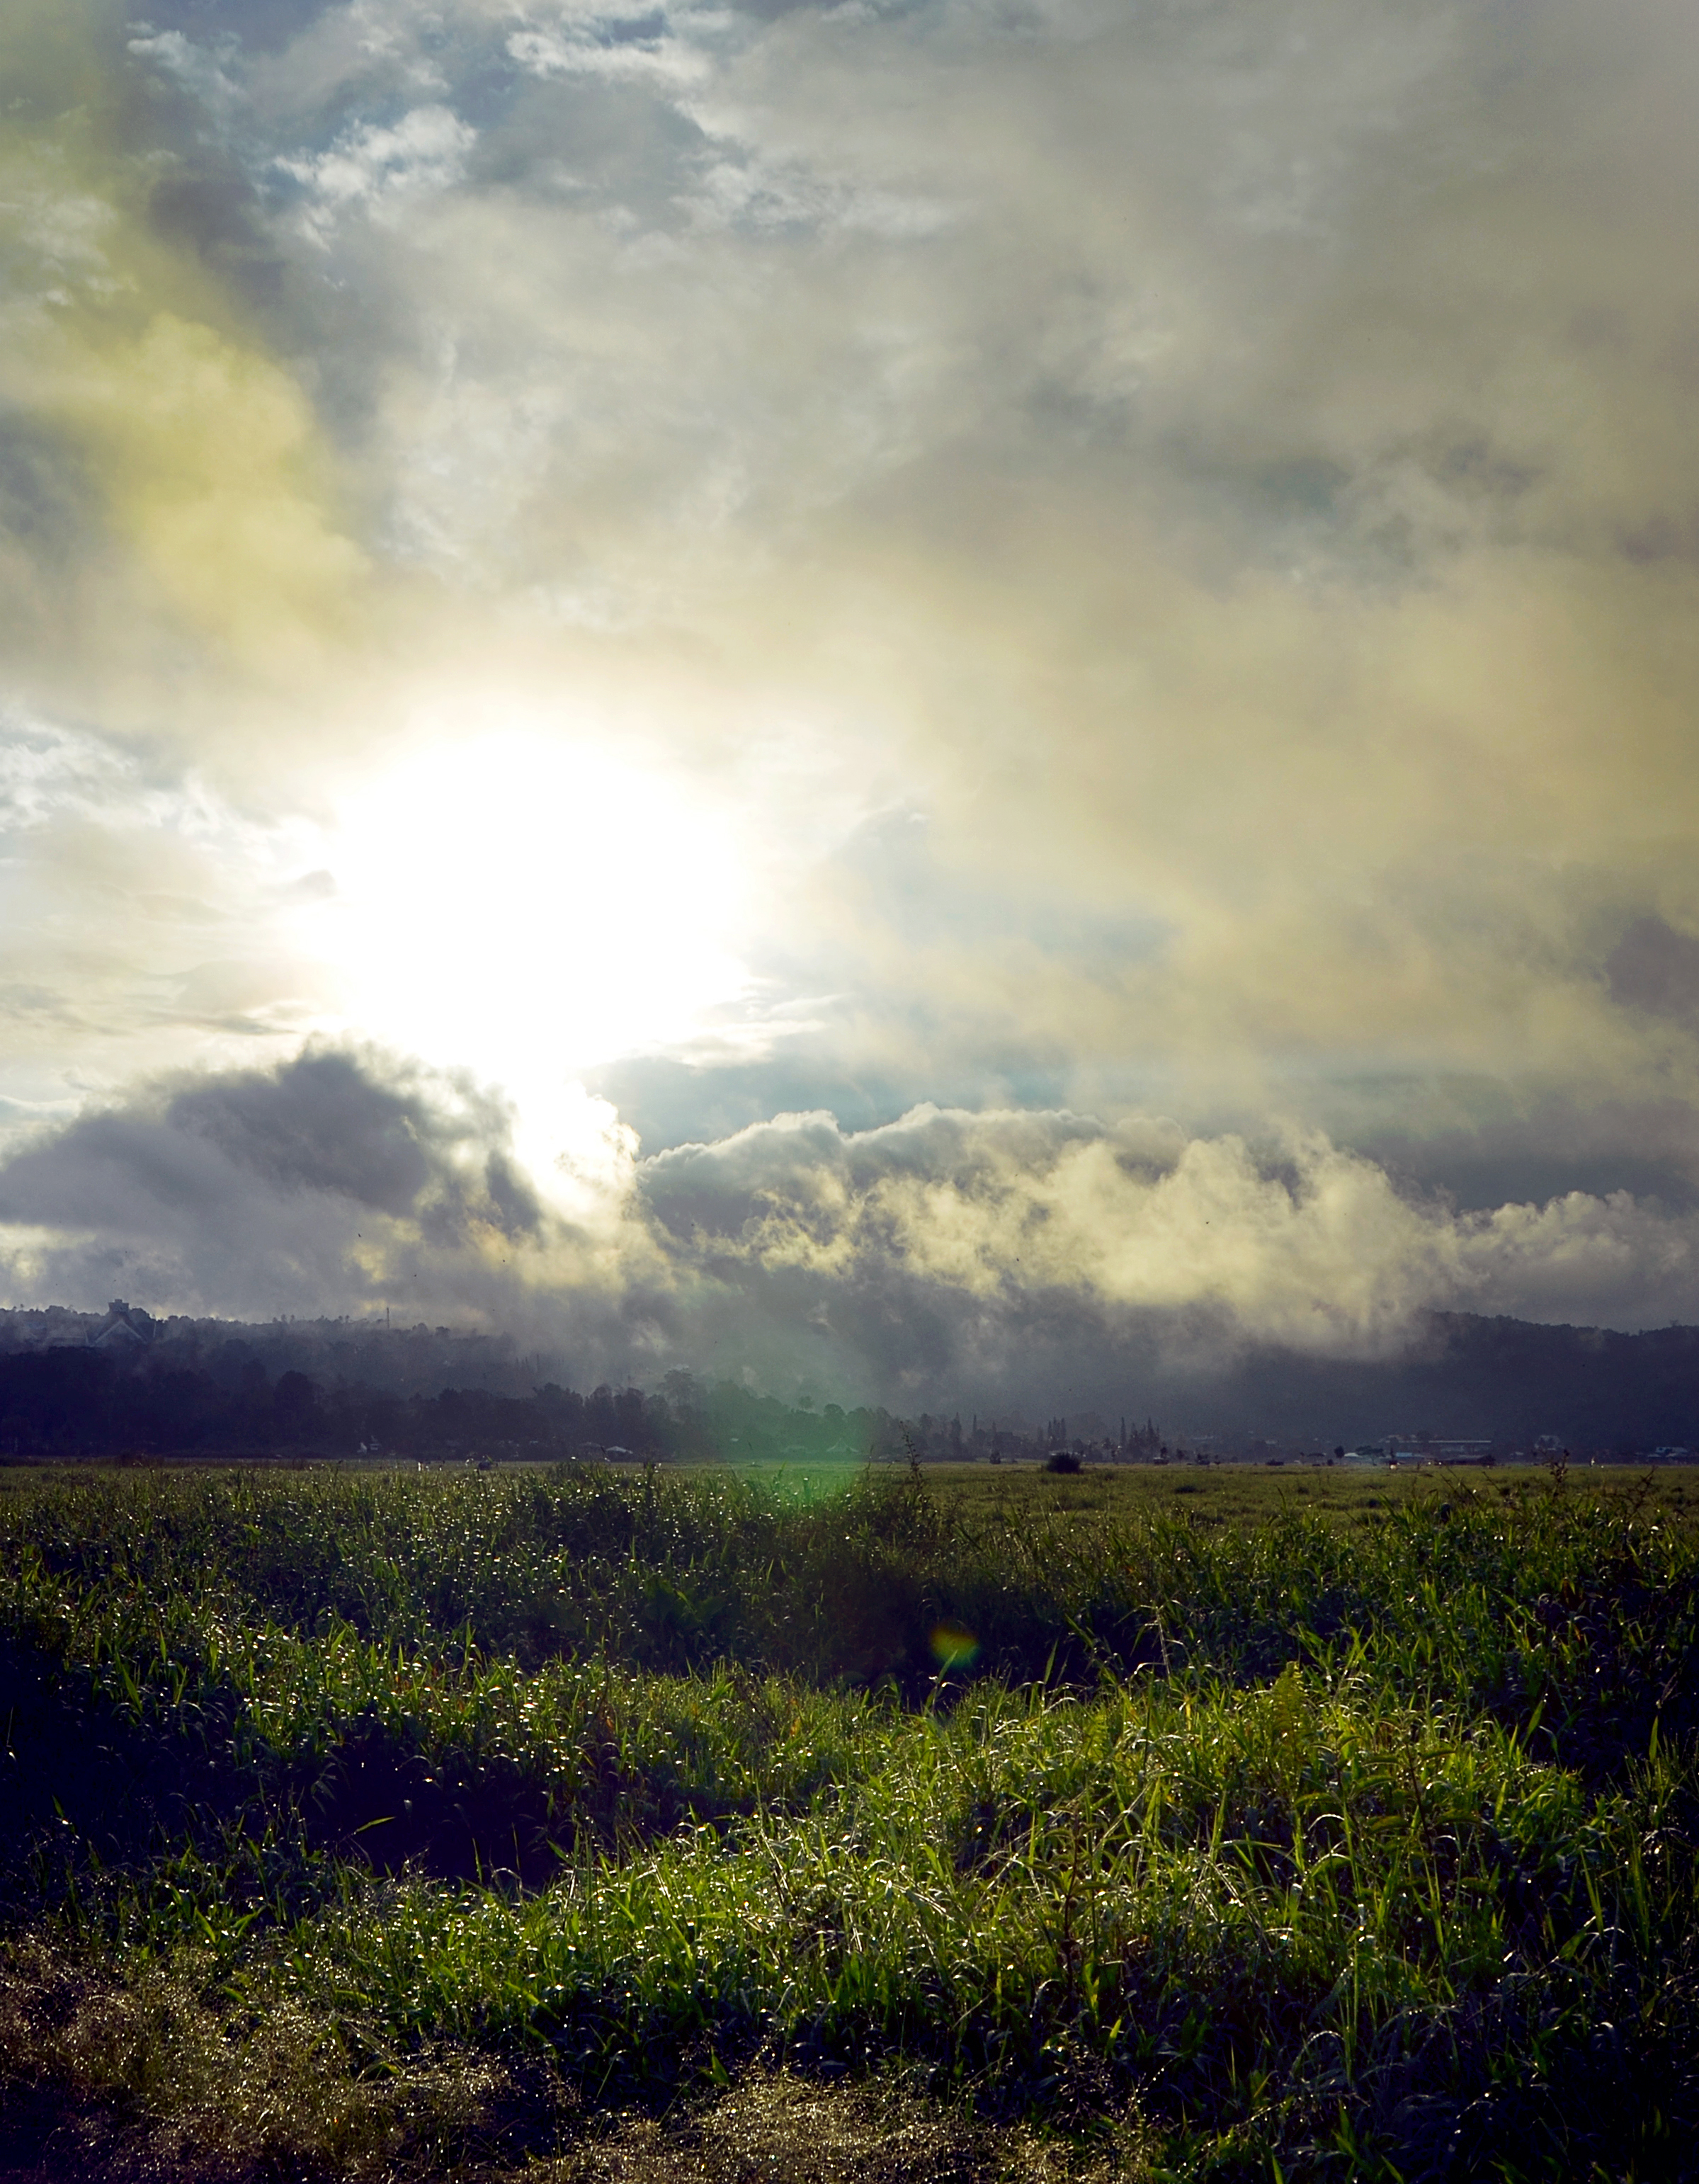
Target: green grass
<point>1216,1824</point>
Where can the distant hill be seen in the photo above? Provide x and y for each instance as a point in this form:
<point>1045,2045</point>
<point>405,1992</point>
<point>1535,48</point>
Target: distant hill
<point>399,1360</point>
<point>1508,1379</point>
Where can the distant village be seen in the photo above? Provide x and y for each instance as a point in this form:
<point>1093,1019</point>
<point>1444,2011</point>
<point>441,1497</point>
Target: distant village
<point>1090,1438</point>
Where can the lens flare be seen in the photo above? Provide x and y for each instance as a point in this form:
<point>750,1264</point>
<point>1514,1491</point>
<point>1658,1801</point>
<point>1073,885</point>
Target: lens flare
<point>954,1648</point>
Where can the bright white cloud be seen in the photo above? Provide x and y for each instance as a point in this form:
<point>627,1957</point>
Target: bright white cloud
<point>1299,1243</point>
<point>142,916</point>
<point>374,169</point>
<point>669,62</point>
<point>192,65</point>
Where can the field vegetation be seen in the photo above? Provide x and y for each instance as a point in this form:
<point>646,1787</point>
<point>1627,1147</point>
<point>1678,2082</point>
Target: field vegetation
<point>591,1824</point>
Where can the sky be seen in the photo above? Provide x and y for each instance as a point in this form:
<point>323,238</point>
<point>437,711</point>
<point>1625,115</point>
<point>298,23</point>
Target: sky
<point>892,697</point>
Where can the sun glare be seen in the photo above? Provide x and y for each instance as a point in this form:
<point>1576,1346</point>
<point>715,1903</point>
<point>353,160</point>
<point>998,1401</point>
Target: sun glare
<point>524,907</point>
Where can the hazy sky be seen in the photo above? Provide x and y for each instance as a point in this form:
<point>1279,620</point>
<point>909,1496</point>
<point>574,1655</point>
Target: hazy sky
<point>839,688</point>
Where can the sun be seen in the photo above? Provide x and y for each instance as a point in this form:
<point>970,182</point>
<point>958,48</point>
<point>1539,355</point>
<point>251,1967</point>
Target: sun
<point>525,905</point>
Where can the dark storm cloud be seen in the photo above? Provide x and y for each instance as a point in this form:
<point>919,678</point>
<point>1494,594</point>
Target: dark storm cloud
<point>311,1180</point>
<point>327,1122</point>
<point>1654,967</point>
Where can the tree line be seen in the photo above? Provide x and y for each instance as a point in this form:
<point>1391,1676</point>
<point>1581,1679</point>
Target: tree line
<point>72,1401</point>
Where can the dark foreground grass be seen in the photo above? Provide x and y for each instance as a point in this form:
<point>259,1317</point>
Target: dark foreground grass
<point>666,1826</point>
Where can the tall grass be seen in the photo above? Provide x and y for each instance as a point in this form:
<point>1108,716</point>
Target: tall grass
<point>1357,1851</point>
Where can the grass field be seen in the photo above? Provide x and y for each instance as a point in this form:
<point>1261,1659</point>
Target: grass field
<point>1240,1493</point>
<point>961,1825</point>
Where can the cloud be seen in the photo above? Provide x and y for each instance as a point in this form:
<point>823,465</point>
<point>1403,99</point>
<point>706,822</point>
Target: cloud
<point>369,167</point>
<point>947,1257</point>
<point>335,1178</point>
<point>1299,1244</point>
<point>324,1123</point>
<point>767,193</point>
<point>193,66</point>
<point>205,457</point>
<point>141,912</point>
<point>1228,472</point>
<point>620,49</point>
<point>1656,968</point>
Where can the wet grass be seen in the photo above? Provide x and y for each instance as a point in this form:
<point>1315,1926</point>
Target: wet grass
<point>372,1824</point>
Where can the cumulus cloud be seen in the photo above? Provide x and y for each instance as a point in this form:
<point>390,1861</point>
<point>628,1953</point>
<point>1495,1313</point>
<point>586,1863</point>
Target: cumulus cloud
<point>1298,1243</point>
<point>947,1257</point>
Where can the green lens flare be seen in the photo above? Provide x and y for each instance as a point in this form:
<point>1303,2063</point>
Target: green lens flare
<point>954,1648</point>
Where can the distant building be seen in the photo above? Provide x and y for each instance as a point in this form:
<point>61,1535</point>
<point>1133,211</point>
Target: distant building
<point>1428,1448</point>
<point>125,1326</point>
